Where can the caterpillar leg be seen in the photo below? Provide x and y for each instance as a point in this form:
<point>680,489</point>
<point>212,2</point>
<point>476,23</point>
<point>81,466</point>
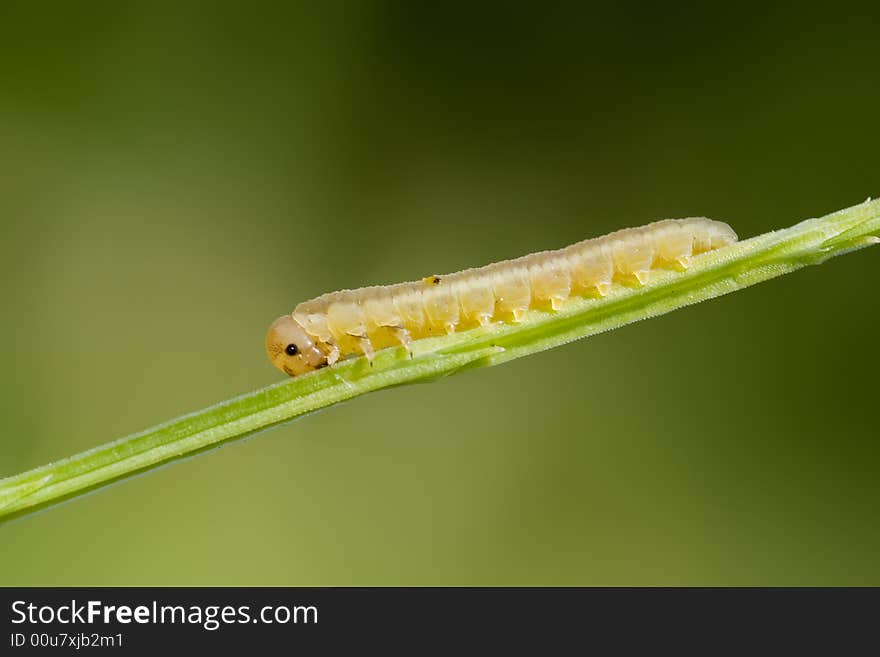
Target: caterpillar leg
<point>513,294</point>
<point>404,338</point>
<point>366,346</point>
<point>603,289</point>
<point>550,283</point>
<point>675,245</point>
<point>334,354</point>
<point>557,302</point>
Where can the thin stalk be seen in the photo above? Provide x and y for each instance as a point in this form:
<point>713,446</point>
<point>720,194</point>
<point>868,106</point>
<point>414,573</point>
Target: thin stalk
<point>710,275</point>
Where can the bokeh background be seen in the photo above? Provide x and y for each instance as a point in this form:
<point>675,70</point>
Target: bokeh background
<point>174,178</point>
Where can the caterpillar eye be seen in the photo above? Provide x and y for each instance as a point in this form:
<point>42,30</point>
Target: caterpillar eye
<point>291,350</point>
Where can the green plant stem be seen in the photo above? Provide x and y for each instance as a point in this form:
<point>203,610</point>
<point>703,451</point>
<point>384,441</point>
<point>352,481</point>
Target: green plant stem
<point>710,275</point>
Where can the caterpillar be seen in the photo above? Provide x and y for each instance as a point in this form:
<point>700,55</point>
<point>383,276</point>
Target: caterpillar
<point>332,326</point>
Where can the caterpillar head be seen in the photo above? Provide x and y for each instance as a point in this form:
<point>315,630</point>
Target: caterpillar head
<point>291,349</point>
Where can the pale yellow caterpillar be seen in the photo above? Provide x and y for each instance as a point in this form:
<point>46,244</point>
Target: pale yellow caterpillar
<point>358,322</point>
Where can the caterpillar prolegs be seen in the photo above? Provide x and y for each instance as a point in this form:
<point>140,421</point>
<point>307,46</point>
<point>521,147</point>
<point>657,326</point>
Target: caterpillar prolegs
<point>358,322</point>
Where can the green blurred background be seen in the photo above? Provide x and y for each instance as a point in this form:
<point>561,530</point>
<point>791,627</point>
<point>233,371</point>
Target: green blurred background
<point>173,179</point>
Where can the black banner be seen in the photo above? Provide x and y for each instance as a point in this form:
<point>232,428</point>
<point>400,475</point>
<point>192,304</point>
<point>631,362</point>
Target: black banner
<point>414,619</point>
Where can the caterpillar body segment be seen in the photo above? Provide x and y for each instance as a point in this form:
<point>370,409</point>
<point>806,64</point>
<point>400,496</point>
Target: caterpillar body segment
<point>358,322</point>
